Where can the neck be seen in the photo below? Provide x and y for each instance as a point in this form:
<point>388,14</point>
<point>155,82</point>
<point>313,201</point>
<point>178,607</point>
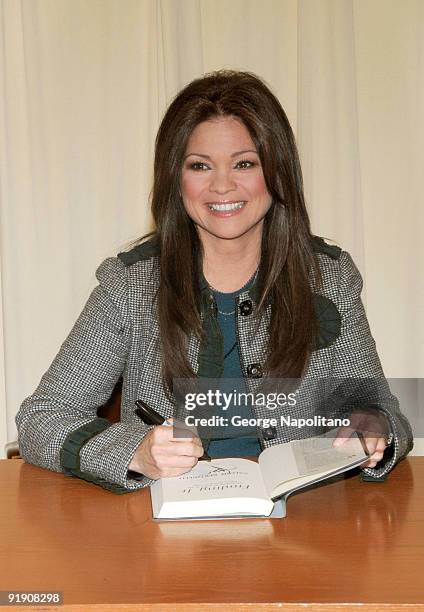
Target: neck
<point>229,264</point>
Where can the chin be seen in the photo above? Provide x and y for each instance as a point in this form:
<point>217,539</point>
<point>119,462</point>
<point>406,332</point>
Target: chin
<point>230,235</point>
<point>228,230</point>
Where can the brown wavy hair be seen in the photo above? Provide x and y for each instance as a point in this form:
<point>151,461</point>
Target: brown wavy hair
<point>287,257</point>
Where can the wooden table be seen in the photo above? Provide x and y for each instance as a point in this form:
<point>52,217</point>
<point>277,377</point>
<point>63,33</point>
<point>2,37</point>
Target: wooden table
<point>343,542</point>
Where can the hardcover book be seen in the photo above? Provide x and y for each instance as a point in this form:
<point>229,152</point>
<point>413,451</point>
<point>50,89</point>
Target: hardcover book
<point>237,488</point>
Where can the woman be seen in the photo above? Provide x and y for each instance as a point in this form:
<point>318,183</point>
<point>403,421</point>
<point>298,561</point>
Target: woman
<point>232,284</point>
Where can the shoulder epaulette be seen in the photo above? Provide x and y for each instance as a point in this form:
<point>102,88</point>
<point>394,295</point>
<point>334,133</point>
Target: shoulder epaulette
<point>320,246</point>
<point>141,252</point>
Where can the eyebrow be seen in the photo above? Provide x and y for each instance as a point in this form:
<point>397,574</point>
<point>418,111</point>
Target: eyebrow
<point>232,154</point>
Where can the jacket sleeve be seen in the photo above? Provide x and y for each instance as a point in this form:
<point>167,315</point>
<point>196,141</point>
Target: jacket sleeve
<point>80,379</point>
<point>356,357</point>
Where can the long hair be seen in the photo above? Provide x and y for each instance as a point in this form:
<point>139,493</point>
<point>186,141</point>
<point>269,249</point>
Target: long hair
<point>287,258</point>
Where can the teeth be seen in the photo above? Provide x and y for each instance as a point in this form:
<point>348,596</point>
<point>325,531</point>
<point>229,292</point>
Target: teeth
<point>227,206</point>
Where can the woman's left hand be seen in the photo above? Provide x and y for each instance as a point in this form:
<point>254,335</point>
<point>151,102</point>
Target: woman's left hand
<point>375,429</point>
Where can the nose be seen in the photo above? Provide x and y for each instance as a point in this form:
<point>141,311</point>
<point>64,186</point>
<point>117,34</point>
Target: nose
<point>222,181</point>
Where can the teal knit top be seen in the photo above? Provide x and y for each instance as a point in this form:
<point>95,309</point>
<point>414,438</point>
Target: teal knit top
<point>233,441</point>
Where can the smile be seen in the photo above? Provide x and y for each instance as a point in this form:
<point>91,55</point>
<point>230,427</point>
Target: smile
<point>226,206</point>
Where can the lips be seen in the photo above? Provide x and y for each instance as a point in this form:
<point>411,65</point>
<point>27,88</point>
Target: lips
<point>226,206</point>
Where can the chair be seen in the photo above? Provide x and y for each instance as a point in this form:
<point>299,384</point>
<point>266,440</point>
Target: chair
<point>12,450</point>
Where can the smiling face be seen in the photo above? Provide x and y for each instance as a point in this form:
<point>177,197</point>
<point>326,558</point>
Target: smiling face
<point>222,183</point>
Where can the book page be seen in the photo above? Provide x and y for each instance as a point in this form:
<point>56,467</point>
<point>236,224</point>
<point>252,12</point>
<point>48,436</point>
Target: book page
<point>316,455</point>
<point>216,479</point>
<point>278,464</point>
<point>211,488</point>
<point>289,466</point>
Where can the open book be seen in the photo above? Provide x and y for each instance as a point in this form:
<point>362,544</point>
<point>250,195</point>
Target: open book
<point>237,487</point>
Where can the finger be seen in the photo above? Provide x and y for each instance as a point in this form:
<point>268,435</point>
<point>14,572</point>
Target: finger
<point>164,462</point>
<point>374,459</point>
<point>173,448</point>
<point>374,445</point>
<point>377,456</point>
<point>381,444</point>
<point>166,472</point>
<point>185,447</point>
<point>185,434</point>
<point>170,472</point>
<point>371,463</point>
<point>370,445</point>
<point>162,434</point>
<point>343,435</point>
<point>194,441</point>
<point>192,445</point>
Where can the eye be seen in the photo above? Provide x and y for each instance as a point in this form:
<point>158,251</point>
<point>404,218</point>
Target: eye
<point>198,166</point>
<point>245,163</point>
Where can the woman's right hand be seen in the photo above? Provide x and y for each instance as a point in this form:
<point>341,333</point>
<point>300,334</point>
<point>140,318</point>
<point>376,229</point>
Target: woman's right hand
<point>161,455</point>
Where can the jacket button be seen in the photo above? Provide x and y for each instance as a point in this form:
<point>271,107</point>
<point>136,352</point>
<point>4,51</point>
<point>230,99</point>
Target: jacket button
<point>246,307</point>
<point>269,433</point>
<point>254,370</point>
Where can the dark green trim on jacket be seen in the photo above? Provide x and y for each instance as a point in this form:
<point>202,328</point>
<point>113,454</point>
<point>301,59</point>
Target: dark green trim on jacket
<point>71,449</point>
<point>141,252</point>
<point>329,322</point>
<point>320,246</point>
<point>150,248</point>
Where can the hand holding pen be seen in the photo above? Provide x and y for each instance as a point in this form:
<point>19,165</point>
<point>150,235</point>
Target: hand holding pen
<point>151,417</point>
<point>160,454</point>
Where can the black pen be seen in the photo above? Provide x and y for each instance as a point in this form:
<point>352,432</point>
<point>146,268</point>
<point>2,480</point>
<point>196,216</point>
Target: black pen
<point>151,417</point>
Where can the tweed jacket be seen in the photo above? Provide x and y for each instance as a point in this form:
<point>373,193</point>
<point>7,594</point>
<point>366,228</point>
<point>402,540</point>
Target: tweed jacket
<point>117,335</point>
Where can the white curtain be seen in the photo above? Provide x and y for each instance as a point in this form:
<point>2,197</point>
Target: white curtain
<point>83,88</point>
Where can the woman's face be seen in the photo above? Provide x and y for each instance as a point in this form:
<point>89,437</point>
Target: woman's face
<point>222,182</point>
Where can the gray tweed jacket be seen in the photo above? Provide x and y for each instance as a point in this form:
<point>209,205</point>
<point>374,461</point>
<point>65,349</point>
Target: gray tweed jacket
<point>117,335</point>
